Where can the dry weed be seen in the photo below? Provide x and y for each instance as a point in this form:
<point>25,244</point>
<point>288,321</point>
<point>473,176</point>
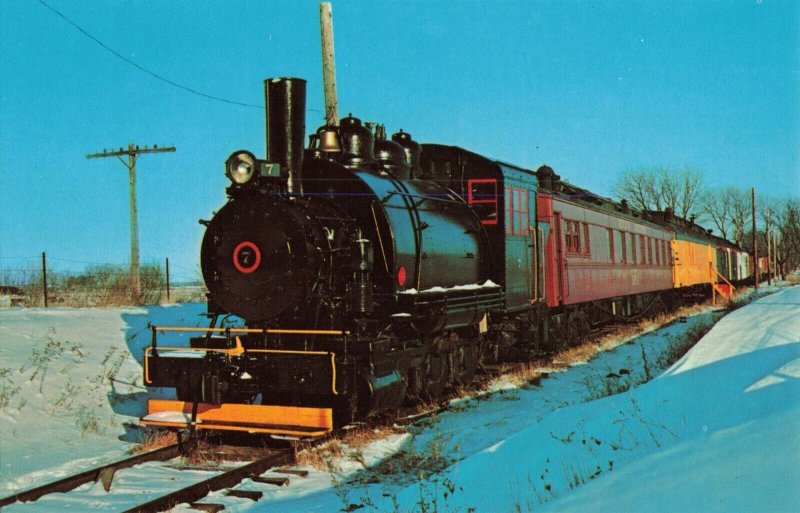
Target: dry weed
<point>202,453</point>
<point>156,439</point>
<point>526,374</point>
<point>348,445</point>
<point>321,457</point>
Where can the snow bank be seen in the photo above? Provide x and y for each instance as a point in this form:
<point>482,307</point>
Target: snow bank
<point>736,399</point>
<point>70,386</point>
<point>717,432</point>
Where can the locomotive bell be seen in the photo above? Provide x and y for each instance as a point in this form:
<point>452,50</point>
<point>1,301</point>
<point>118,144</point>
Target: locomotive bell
<point>328,139</point>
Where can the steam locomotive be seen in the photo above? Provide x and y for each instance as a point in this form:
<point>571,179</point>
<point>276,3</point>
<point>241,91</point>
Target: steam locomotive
<point>371,271</point>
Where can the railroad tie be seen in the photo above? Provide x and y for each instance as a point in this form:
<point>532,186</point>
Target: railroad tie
<point>245,494</point>
<point>207,507</point>
<point>277,481</point>
<point>292,471</point>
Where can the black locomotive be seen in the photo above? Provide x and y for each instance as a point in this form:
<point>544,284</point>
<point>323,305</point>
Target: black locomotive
<point>362,284</point>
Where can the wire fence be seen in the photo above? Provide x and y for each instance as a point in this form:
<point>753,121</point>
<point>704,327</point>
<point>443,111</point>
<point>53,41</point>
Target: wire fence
<point>52,281</point>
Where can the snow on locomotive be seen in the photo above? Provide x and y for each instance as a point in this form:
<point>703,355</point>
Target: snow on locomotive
<point>370,272</point>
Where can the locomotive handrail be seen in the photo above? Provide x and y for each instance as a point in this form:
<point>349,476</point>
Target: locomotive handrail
<point>275,331</point>
<point>420,196</point>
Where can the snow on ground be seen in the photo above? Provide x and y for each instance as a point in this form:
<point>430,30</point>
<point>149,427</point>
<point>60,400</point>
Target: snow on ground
<point>70,387</point>
<point>736,401</point>
<point>718,431</point>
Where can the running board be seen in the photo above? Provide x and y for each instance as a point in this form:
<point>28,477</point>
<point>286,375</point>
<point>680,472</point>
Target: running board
<point>297,421</point>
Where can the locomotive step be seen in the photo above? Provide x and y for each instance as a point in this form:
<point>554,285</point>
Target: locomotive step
<point>304,422</point>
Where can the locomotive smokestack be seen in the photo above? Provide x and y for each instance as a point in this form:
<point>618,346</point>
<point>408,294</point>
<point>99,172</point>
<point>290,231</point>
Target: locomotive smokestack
<point>285,100</point>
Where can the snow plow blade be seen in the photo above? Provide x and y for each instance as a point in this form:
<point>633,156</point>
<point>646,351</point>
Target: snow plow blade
<point>296,421</point>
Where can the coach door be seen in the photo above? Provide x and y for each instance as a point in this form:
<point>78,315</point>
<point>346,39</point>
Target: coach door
<point>558,238</point>
<point>519,279</point>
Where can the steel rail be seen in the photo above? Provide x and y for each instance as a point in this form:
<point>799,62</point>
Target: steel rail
<point>227,479</point>
<point>104,473</point>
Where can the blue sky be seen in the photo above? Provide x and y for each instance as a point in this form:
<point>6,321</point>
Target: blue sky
<point>590,88</point>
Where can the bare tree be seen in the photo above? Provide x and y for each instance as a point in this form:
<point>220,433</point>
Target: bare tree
<point>740,213</point>
<point>717,205</point>
<point>639,188</point>
<point>661,188</point>
<point>788,221</point>
<point>668,192</point>
<point>691,189</point>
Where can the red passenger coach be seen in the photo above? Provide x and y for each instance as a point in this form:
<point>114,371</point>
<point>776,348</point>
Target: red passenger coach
<point>596,250</point>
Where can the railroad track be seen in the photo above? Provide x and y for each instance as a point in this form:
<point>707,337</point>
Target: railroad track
<point>164,466</point>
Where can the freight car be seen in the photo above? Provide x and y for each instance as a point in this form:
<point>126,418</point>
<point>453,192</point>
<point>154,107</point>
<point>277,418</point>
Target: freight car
<point>370,272</point>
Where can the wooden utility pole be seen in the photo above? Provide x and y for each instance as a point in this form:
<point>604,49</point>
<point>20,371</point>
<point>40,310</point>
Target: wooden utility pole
<point>132,153</point>
<point>328,64</point>
<point>44,277</point>
<point>755,242</point>
<point>769,255</point>
<point>167,279</point>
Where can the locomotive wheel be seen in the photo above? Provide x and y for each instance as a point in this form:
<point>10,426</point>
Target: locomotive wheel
<point>465,361</point>
<point>435,378</point>
<point>414,386</point>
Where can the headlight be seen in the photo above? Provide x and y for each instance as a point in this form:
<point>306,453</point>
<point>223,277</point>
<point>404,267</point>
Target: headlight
<point>240,167</point>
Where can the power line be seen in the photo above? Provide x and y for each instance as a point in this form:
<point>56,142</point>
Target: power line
<point>141,68</point>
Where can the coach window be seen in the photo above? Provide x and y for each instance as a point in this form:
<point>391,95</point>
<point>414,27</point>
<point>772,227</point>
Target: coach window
<point>623,248</point>
<point>520,212</point>
<point>642,253</point>
<point>482,196</point>
<point>586,246</point>
<point>657,251</point>
<point>509,212</point>
<point>611,245</point>
<point>633,248</point>
<point>568,237</point>
<point>517,212</point>
<point>573,237</point>
<point>649,251</point>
